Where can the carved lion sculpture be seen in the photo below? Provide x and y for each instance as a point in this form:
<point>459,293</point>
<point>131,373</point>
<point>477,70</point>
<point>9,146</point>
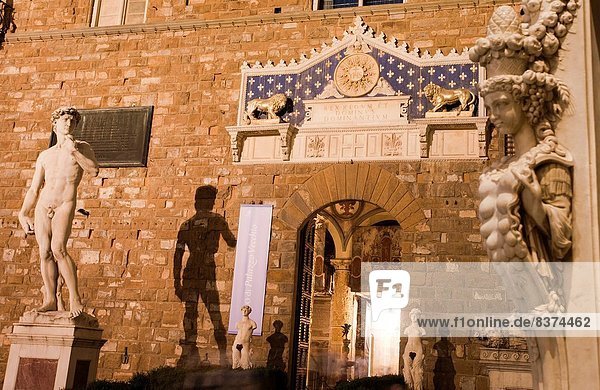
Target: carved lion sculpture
<point>443,98</point>
<point>272,106</point>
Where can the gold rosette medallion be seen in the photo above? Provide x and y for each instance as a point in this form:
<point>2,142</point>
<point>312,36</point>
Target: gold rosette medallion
<point>356,75</point>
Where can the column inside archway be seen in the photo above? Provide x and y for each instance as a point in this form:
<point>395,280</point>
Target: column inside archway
<point>341,310</point>
<point>318,350</point>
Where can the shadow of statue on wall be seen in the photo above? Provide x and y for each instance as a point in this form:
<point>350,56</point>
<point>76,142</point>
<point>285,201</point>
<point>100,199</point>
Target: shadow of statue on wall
<point>444,371</point>
<point>200,234</point>
<point>277,342</point>
<point>7,22</point>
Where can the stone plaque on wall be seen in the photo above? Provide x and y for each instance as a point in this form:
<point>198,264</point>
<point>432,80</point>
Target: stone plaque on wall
<point>118,136</point>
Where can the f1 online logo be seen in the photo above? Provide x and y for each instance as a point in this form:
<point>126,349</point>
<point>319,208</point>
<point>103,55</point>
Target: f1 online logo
<point>389,290</point>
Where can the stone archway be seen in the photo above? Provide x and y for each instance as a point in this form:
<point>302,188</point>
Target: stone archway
<point>360,181</point>
<point>351,181</point>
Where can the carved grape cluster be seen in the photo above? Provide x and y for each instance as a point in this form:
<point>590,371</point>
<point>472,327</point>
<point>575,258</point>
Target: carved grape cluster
<point>544,97</point>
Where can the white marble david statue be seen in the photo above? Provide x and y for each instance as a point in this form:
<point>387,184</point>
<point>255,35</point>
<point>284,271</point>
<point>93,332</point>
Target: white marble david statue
<point>241,351</point>
<point>51,199</point>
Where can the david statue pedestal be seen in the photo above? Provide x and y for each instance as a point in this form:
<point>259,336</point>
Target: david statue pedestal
<point>52,347</point>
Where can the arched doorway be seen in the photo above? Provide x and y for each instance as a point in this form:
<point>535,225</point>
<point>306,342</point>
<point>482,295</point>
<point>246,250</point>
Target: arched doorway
<point>328,211</point>
<point>360,181</point>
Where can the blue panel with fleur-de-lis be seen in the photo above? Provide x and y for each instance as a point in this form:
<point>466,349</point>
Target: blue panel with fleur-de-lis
<point>404,76</point>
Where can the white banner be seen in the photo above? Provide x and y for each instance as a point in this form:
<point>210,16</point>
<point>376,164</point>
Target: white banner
<point>251,259</point>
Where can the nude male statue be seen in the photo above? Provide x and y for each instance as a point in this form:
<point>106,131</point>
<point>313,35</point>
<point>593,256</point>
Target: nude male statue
<point>52,197</point>
<point>241,344</point>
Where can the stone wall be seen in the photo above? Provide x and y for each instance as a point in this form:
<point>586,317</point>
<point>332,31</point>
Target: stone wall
<point>431,23</point>
<point>125,247</point>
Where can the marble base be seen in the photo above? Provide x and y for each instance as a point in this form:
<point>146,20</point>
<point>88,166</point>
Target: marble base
<point>448,114</point>
<point>52,351</point>
<point>254,121</point>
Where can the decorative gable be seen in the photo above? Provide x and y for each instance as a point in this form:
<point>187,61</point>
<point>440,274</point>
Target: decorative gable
<point>357,84</point>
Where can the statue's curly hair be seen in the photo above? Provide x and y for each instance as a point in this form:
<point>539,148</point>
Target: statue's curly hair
<point>544,98</point>
<point>65,111</point>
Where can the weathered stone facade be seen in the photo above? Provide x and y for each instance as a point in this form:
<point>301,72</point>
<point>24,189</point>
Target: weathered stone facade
<point>185,61</point>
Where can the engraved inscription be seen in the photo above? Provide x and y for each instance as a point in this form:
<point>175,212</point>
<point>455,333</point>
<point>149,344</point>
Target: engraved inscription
<point>350,112</point>
<point>388,110</point>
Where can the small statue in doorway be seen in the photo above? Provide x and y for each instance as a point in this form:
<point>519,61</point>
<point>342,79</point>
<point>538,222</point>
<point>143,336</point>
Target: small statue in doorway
<point>241,351</point>
<point>413,353</point>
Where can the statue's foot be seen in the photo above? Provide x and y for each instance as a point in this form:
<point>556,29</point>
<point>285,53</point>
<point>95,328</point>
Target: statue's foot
<point>50,306</point>
<point>76,309</point>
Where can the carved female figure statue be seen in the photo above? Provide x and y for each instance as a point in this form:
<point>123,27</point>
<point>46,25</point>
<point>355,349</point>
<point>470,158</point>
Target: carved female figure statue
<point>526,198</point>
<point>413,353</point>
<point>526,202</point>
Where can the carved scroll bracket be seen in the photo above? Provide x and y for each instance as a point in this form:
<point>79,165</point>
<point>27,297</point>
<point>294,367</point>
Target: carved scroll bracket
<point>237,142</point>
<point>286,134</point>
<point>425,131</point>
<point>239,134</point>
<point>482,137</point>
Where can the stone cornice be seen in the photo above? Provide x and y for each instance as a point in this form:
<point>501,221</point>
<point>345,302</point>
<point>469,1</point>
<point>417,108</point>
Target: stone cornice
<point>255,20</point>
